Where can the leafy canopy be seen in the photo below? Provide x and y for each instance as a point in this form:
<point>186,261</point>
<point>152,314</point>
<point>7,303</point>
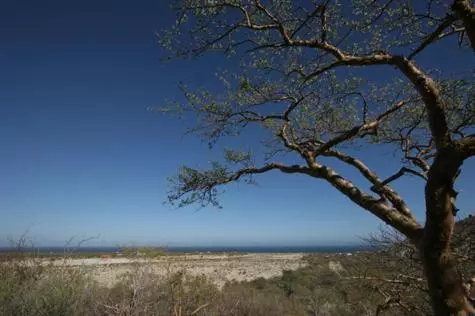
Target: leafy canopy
<point>301,79</point>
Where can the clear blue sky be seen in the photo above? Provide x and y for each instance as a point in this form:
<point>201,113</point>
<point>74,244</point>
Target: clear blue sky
<point>80,155</point>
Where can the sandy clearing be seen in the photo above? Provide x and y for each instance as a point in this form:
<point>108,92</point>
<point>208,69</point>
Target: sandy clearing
<point>219,268</point>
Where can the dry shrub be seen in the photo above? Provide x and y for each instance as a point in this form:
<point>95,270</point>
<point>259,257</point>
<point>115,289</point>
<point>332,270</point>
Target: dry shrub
<point>245,299</point>
<point>361,284</point>
<point>31,286</point>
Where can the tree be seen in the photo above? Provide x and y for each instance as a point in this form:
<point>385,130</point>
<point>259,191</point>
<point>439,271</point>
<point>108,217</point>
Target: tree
<point>304,79</point>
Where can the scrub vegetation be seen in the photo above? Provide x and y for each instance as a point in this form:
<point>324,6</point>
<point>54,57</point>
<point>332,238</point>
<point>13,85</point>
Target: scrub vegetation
<point>386,281</point>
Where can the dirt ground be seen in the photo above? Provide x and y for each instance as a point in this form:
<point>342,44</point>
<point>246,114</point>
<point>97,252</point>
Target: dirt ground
<point>217,267</point>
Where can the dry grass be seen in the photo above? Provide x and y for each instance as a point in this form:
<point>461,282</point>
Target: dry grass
<point>28,286</point>
<point>387,282</point>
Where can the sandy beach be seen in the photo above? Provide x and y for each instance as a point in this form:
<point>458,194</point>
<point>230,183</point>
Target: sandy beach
<point>217,267</point>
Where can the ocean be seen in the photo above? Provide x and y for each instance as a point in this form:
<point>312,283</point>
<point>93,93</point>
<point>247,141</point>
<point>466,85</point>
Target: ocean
<point>178,249</point>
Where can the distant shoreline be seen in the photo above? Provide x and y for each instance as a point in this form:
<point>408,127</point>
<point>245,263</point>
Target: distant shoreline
<point>185,249</point>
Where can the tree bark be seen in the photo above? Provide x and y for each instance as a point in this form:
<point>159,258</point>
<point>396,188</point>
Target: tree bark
<point>464,10</point>
<point>446,289</point>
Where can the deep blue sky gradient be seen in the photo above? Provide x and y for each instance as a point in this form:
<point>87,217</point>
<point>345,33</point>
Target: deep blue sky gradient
<point>80,154</point>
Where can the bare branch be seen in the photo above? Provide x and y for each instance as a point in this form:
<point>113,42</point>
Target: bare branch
<point>430,94</point>
<point>314,13</point>
<point>208,45</point>
<point>406,225</point>
<point>323,20</point>
<point>358,129</point>
<point>277,22</point>
<point>198,309</point>
<point>271,166</point>
<point>432,37</point>
<point>283,134</point>
<point>377,184</point>
<point>404,279</point>
<point>402,172</point>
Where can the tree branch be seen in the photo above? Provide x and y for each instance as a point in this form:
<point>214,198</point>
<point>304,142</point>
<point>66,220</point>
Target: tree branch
<point>406,279</point>
<point>399,174</point>
<point>466,146</point>
<point>192,186</point>
<point>464,10</point>
<point>314,13</point>
<point>271,166</point>
<point>358,129</point>
<point>430,94</point>
<point>432,37</point>
<point>290,144</point>
<point>277,22</point>
<point>377,184</point>
<point>406,225</point>
<point>423,84</point>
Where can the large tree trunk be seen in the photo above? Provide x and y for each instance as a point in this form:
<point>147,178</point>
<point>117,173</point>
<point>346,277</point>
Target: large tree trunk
<point>445,286</point>
<point>446,289</point>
